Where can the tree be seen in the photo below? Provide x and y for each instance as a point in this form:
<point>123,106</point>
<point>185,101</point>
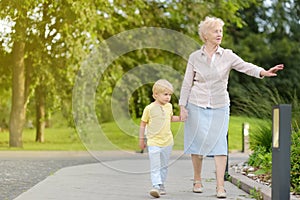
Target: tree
<point>52,38</point>
<point>182,16</point>
<point>270,37</point>
<point>19,96</point>
<point>5,88</point>
<point>49,39</point>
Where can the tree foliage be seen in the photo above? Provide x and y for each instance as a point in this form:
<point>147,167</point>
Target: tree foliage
<point>58,35</point>
<point>270,38</point>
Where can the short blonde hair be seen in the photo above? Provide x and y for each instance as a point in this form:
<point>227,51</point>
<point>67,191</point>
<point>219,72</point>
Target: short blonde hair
<point>161,86</point>
<point>208,23</point>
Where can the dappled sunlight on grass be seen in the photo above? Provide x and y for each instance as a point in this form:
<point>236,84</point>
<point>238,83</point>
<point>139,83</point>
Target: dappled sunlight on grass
<point>55,139</point>
<point>67,138</point>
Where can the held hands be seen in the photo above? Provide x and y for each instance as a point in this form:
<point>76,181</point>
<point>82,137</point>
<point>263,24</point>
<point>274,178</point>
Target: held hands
<point>272,71</point>
<point>183,113</point>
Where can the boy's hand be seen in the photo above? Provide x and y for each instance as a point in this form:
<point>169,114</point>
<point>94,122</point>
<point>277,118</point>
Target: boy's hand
<point>142,143</point>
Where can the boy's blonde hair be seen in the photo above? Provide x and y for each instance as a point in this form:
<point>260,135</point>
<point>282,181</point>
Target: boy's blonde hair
<point>208,23</point>
<point>161,86</point>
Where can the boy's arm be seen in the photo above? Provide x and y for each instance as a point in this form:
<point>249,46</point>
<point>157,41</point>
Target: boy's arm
<point>142,143</point>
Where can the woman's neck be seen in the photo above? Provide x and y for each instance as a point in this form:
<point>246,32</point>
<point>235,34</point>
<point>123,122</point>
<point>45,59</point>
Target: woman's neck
<point>210,49</point>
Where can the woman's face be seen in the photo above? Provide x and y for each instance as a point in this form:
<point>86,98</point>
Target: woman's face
<point>214,35</point>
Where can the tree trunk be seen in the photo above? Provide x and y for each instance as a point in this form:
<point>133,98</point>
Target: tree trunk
<point>40,114</point>
<point>18,109</point>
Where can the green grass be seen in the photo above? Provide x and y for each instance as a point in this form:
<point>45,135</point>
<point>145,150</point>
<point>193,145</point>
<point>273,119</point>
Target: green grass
<point>67,139</point>
<point>55,139</point>
<point>235,130</point>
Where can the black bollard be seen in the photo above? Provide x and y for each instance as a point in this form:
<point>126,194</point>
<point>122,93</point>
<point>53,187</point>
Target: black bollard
<point>281,146</point>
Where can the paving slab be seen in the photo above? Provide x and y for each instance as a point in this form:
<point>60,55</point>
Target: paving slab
<point>125,176</point>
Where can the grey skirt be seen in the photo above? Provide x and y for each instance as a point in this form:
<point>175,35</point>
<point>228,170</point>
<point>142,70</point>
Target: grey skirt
<point>205,130</point>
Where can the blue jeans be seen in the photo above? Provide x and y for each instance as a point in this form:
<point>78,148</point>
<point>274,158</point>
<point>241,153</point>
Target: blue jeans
<point>159,159</point>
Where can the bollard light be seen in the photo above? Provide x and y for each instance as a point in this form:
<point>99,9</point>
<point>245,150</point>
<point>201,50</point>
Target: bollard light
<point>245,137</point>
<point>281,145</point>
<point>275,128</point>
<point>246,127</point>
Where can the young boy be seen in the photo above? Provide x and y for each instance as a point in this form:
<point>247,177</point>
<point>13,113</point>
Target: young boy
<point>157,117</point>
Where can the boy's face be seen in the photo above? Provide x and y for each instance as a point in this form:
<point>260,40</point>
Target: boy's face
<point>163,97</point>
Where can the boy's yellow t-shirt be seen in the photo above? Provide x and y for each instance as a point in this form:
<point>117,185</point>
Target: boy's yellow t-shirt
<point>158,119</point>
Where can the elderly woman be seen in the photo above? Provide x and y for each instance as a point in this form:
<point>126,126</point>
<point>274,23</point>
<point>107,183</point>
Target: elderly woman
<point>204,100</point>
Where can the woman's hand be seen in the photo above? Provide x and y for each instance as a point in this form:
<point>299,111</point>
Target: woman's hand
<point>183,113</point>
<point>272,71</point>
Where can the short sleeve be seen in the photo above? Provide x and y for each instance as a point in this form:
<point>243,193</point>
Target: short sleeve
<point>171,110</point>
<point>146,114</point>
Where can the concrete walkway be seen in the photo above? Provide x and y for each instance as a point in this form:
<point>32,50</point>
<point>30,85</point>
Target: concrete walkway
<point>125,176</point>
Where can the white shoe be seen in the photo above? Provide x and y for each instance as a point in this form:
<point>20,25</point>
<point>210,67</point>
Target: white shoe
<point>155,192</point>
<point>197,189</point>
<point>162,190</point>
<point>221,192</point>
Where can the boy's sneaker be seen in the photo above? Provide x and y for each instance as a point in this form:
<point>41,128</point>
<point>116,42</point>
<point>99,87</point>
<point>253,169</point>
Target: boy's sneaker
<point>162,189</point>
<point>155,192</point>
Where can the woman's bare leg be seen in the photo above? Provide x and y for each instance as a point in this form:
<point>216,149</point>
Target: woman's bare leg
<point>197,165</point>
<point>220,162</point>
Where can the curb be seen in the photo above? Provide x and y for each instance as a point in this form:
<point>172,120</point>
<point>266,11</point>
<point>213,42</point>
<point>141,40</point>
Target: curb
<point>250,186</point>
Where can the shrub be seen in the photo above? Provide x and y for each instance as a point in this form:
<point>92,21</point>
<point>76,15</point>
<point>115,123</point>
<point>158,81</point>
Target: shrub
<point>261,159</point>
<point>262,137</point>
<point>295,162</point>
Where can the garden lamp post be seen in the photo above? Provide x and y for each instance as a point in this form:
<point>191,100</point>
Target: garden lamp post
<point>281,145</point>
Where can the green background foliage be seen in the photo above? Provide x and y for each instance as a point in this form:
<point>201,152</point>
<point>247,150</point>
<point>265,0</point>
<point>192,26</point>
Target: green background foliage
<point>58,35</point>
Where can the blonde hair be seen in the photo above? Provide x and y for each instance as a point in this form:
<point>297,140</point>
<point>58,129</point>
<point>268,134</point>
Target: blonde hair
<point>161,86</point>
<point>208,23</point>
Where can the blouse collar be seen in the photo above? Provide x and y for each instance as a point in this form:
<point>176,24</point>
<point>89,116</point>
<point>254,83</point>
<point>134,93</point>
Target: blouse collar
<point>218,51</point>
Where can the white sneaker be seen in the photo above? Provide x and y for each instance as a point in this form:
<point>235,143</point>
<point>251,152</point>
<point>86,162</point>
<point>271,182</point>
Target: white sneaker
<point>162,190</point>
<point>155,192</point>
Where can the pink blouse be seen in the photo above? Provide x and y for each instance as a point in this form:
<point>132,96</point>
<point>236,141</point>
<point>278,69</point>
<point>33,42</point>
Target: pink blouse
<point>205,82</point>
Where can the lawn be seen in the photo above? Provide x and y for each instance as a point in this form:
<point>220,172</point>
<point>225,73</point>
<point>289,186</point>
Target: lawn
<point>68,139</point>
<point>55,139</point>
